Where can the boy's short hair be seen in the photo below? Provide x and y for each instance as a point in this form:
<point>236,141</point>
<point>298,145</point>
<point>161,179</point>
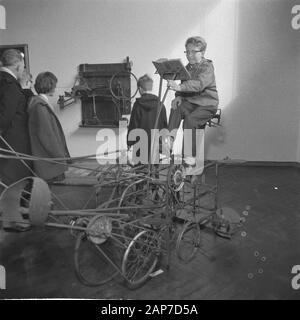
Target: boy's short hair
<point>197,41</point>
<point>45,82</point>
<point>145,82</point>
<point>10,57</point>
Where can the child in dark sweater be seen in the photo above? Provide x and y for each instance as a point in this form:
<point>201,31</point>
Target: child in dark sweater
<point>144,113</point>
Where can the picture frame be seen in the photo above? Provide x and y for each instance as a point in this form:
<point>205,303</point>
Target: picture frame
<point>21,47</point>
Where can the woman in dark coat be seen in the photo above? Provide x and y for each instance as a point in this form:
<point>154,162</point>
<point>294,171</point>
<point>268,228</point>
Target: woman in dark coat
<point>46,134</point>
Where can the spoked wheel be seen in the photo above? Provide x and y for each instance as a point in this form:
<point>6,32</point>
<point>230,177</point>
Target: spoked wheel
<point>123,85</point>
<point>157,194</point>
<point>140,258</point>
<point>132,196</point>
<point>175,177</point>
<point>96,252</point>
<point>188,242</point>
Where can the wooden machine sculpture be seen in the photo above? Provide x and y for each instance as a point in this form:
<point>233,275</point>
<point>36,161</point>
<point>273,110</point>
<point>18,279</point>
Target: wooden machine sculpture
<point>105,92</point>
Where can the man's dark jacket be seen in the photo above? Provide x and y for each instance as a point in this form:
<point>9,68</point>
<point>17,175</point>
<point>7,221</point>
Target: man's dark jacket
<point>13,128</point>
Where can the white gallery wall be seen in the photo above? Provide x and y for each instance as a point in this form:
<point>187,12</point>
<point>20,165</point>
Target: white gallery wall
<point>254,48</point>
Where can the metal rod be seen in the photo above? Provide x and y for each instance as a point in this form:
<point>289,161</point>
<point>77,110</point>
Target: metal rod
<point>101,210</point>
<point>110,261</point>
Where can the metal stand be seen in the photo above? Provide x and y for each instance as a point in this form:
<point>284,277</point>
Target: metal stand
<point>159,108</point>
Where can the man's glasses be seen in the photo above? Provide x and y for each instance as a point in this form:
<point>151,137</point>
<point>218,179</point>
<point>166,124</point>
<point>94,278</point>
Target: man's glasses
<point>192,51</point>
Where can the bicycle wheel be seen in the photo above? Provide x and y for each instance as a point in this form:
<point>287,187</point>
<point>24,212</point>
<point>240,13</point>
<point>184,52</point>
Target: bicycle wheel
<point>175,177</point>
<point>140,258</point>
<point>188,242</point>
<point>123,85</point>
<point>96,256</point>
<point>132,197</point>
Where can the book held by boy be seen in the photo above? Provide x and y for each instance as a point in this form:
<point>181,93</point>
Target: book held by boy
<point>168,68</point>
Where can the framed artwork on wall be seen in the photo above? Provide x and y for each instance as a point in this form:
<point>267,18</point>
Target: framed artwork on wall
<point>21,47</point>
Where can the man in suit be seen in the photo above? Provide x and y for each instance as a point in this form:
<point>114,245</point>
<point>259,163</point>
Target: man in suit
<point>13,117</point>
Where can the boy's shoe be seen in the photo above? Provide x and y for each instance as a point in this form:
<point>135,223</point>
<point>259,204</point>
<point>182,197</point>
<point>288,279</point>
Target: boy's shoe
<point>189,163</point>
<point>192,171</point>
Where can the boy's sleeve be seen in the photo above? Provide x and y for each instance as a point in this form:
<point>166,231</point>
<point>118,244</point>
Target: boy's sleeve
<point>204,78</point>
<point>133,123</point>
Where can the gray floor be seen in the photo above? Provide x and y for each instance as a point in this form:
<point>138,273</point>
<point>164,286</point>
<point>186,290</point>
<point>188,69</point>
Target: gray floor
<point>255,264</point>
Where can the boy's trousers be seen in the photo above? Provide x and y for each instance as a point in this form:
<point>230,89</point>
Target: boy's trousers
<point>195,117</point>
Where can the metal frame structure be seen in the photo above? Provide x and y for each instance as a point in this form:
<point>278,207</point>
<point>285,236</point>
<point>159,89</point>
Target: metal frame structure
<point>128,232</point>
